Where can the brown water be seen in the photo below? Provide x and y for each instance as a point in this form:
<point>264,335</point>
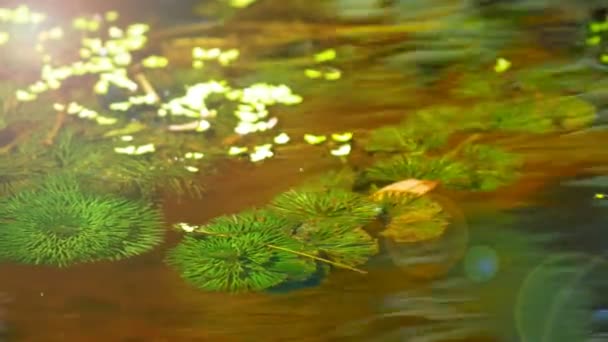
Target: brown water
<point>142,299</point>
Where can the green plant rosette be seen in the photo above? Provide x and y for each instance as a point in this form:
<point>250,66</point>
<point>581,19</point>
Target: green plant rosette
<point>332,240</point>
<point>58,224</point>
<point>400,167</point>
<point>348,208</point>
<point>240,253</point>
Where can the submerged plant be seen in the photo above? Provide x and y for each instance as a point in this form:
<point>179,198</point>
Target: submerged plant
<point>59,224</point>
<point>412,218</point>
<point>104,170</point>
<point>146,176</point>
<point>348,208</point>
<point>241,253</point>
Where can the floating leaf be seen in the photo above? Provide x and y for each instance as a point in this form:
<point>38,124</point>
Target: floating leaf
<point>408,186</point>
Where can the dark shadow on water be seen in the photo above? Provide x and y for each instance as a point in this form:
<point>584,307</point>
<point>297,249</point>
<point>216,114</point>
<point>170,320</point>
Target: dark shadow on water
<point>313,281</point>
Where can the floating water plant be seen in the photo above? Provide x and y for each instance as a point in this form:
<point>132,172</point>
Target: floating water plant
<point>467,166</point>
<point>442,169</point>
<point>246,252</point>
<point>490,167</point>
<point>538,115</point>
<point>423,130</point>
<point>334,179</point>
<point>60,225</point>
<point>348,208</point>
<point>339,243</point>
<point>404,139</point>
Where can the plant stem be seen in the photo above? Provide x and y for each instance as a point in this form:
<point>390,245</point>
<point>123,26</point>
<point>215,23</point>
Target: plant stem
<point>463,144</point>
<point>337,264</point>
<point>59,121</point>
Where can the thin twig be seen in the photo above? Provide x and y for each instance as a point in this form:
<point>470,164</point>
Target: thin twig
<point>59,121</point>
<point>337,264</point>
<point>146,85</point>
<point>472,138</point>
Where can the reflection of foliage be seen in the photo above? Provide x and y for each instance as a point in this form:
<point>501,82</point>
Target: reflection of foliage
<point>337,242</point>
<point>441,311</point>
<point>239,255</point>
<point>58,224</point>
<point>554,303</point>
<point>347,208</point>
<point>551,298</point>
<point>413,219</point>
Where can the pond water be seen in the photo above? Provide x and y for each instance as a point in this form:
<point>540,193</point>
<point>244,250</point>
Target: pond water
<point>525,262</point>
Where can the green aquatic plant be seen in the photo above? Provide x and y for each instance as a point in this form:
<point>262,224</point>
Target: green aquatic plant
<point>339,243</point>
<point>537,115</point>
<point>59,224</point>
<point>24,162</point>
<point>413,218</point>
<point>442,169</point>
<point>516,117</point>
<point>334,179</point>
<point>17,171</point>
<point>245,252</point>
<point>490,167</point>
<point>479,85</point>
<point>348,208</point>
<point>423,130</point>
<point>147,176</point>
<point>405,138</point>
<point>246,222</point>
<point>468,166</point>
<point>104,170</point>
